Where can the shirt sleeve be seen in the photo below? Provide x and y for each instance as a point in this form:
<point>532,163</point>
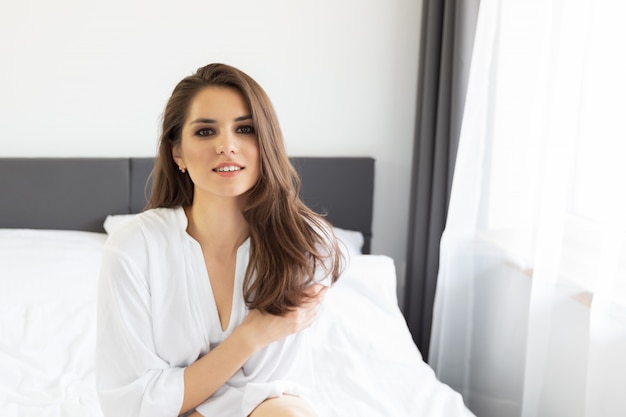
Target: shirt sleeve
<point>131,378</point>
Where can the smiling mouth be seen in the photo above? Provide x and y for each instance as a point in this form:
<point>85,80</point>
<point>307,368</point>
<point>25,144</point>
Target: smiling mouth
<point>228,169</point>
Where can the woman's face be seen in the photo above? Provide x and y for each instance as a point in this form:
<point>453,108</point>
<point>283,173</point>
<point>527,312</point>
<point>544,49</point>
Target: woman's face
<point>219,147</point>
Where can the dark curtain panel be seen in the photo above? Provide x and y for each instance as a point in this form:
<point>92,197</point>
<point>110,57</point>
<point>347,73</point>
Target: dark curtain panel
<point>447,37</point>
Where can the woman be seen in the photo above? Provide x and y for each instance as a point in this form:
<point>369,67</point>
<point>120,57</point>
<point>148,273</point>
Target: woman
<point>204,297</point>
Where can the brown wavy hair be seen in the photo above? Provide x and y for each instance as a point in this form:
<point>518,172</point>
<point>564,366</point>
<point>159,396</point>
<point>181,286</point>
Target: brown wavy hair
<point>290,243</point>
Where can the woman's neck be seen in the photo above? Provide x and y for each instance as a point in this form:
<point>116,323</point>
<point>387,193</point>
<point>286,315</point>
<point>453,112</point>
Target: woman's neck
<point>218,225</point>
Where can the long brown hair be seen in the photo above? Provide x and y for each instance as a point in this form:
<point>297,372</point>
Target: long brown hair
<point>290,244</point>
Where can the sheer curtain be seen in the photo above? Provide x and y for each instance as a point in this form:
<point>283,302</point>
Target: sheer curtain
<point>530,307</point>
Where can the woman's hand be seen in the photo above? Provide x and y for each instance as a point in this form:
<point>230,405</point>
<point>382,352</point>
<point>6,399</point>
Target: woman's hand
<point>204,377</point>
<point>264,328</point>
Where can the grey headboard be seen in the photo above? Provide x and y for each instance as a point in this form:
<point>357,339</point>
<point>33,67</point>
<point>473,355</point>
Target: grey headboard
<point>78,193</point>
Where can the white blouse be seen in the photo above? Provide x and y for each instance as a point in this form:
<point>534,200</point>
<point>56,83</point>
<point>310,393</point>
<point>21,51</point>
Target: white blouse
<point>157,314</point>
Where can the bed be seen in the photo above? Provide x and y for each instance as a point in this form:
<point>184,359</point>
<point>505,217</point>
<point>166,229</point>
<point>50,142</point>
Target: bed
<point>54,217</point>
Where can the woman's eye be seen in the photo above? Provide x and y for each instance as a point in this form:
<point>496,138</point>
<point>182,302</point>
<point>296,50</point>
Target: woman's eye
<point>205,131</point>
<point>245,129</point>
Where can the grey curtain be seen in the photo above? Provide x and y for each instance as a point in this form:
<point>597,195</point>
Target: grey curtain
<point>447,37</point>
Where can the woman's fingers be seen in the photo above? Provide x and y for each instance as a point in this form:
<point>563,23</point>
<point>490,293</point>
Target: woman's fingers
<point>269,328</point>
<point>314,294</point>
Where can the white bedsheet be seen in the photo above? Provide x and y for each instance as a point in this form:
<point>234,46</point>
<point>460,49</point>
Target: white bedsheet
<point>47,323</point>
<point>366,362</point>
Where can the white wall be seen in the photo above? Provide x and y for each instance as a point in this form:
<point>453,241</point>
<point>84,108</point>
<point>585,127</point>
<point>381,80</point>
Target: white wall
<point>90,78</point>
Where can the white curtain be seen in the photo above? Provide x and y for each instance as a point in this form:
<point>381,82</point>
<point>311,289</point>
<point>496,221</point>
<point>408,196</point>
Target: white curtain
<point>530,308</point>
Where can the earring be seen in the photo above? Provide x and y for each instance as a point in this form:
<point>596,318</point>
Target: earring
<point>182,169</point>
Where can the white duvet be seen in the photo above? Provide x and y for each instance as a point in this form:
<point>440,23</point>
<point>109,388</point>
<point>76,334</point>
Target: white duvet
<point>365,360</point>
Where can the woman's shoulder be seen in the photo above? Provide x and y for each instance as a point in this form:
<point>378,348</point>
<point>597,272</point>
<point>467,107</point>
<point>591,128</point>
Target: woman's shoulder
<point>148,227</point>
<point>162,219</point>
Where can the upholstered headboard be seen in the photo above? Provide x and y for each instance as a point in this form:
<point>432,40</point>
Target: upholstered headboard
<point>78,193</point>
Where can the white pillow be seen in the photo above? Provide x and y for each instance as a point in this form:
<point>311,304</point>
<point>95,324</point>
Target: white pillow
<point>350,241</point>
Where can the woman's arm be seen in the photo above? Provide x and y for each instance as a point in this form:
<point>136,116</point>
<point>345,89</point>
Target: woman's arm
<point>205,376</point>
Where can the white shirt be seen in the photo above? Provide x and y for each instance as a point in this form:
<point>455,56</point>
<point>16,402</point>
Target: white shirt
<point>157,314</point>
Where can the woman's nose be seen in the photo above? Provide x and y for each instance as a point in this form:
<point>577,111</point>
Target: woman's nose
<point>226,144</point>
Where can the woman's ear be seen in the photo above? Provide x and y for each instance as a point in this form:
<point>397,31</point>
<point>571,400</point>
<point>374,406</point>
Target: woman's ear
<point>176,155</point>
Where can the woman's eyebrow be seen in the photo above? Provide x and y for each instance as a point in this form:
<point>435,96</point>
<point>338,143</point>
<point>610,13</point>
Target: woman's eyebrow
<point>203,121</point>
<point>208,121</point>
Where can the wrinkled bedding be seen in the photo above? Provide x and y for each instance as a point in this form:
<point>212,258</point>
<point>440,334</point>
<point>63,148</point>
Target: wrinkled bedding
<point>365,360</point>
